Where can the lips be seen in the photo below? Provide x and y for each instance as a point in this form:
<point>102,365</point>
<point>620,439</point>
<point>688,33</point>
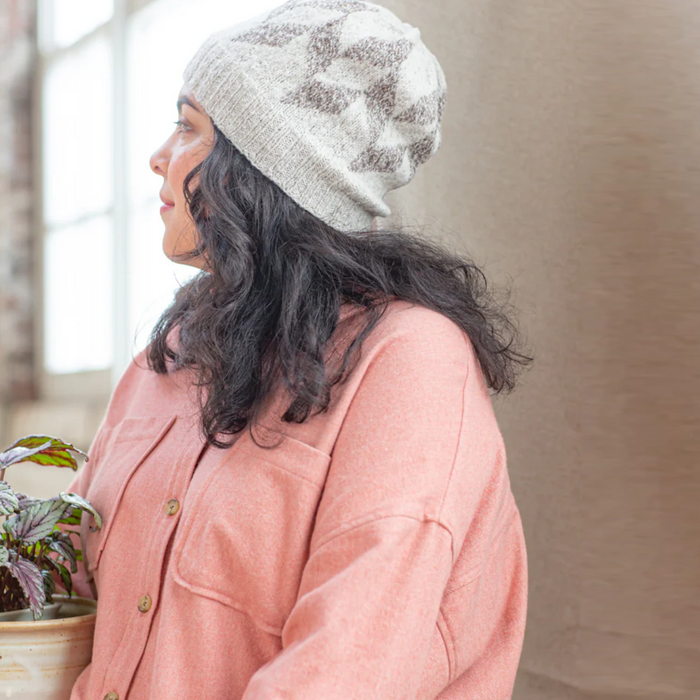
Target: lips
<point>167,202</point>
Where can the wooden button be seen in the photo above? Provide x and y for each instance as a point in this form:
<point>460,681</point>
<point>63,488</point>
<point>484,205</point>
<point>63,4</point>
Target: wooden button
<point>172,506</point>
<point>145,603</point>
<point>112,696</point>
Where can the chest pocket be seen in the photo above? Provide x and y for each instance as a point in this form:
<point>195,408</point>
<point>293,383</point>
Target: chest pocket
<point>244,540</point>
<point>124,450</point>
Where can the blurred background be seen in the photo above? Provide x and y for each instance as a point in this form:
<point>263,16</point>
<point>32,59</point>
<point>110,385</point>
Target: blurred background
<point>569,171</point>
<point>88,90</point>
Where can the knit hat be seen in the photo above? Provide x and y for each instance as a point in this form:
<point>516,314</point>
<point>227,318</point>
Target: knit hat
<point>336,101</point>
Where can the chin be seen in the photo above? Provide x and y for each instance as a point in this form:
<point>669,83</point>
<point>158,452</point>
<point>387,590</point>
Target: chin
<point>168,251</point>
<point>170,247</point>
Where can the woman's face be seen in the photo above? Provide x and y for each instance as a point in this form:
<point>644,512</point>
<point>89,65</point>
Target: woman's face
<point>186,147</point>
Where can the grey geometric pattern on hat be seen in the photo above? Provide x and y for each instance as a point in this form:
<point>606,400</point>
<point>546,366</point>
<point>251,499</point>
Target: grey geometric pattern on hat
<point>324,45</point>
<point>382,160</point>
<point>332,99</point>
<point>426,110</point>
<point>370,98</point>
<point>272,34</point>
<point>322,49</point>
<point>379,52</point>
<point>421,150</point>
<point>380,100</point>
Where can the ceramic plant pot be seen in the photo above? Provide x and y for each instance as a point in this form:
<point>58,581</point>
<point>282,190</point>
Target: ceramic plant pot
<point>50,613</point>
<point>41,660</point>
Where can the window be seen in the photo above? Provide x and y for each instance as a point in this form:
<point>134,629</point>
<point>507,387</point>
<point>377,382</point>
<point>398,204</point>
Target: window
<point>110,72</point>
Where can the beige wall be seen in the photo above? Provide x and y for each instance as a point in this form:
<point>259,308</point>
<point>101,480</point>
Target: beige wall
<point>571,165</point>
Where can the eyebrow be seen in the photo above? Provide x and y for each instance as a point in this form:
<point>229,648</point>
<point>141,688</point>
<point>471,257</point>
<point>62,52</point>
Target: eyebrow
<point>184,100</point>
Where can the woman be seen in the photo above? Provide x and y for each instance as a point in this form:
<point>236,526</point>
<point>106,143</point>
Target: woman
<point>302,481</point>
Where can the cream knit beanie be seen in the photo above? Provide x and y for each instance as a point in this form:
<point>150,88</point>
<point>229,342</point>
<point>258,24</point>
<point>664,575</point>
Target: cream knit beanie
<point>336,101</point>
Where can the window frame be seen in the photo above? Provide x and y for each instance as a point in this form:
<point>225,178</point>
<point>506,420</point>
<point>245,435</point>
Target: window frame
<point>91,384</point>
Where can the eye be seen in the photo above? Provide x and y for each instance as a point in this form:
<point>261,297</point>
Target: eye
<point>183,125</point>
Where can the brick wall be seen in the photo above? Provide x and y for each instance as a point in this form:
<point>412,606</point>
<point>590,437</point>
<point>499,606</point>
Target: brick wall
<point>17,56</point>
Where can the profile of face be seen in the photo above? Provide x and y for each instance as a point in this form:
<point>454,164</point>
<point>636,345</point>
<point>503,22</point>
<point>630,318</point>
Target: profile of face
<point>185,148</point>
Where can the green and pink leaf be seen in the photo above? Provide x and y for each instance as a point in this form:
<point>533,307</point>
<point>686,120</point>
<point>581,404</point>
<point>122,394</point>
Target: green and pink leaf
<point>79,502</point>
<point>41,449</point>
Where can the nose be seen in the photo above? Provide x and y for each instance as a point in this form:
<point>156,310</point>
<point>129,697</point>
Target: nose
<point>160,159</point>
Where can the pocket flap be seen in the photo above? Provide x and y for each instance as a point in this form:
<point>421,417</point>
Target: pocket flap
<point>132,441</point>
<point>244,539</point>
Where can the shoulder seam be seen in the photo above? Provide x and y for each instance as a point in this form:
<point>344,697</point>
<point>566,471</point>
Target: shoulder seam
<point>367,520</point>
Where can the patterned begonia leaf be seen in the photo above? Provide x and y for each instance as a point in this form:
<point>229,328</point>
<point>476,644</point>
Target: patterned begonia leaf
<point>37,521</point>
<point>25,501</point>
<point>20,454</point>
<point>49,584</point>
<point>79,502</point>
<point>9,502</point>
<point>31,580</point>
<point>72,517</point>
<point>63,572</point>
<point>4,554</point>
<point>41,449</point>
<point>62,544</point>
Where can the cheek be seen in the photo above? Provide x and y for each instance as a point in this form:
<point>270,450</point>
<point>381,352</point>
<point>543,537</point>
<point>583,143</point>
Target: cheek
<point>180,165</point>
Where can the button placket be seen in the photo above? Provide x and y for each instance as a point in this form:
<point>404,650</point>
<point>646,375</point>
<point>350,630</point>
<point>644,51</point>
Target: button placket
<point>181,474</point>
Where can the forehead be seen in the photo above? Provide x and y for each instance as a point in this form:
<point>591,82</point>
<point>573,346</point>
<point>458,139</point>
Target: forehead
<point>185,96</point>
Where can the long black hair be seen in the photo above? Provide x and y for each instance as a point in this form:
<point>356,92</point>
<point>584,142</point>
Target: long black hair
<point>270,297</point>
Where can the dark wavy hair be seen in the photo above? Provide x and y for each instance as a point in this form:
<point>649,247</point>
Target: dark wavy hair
<point>270,297</point>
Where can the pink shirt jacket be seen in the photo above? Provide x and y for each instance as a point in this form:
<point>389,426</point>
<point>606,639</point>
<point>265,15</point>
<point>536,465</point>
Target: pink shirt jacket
<point>376,553</point>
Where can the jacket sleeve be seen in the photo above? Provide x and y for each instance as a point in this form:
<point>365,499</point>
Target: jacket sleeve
<point>380,555</point>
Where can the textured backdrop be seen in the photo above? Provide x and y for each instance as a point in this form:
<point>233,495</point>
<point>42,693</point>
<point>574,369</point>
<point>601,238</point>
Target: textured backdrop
<point>570,167</point>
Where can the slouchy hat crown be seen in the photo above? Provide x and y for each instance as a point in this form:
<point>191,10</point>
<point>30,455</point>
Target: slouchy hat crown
<point>336,101</point>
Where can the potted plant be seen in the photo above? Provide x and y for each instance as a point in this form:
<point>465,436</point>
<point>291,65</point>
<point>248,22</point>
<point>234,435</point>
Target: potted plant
<point>45,637</point>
